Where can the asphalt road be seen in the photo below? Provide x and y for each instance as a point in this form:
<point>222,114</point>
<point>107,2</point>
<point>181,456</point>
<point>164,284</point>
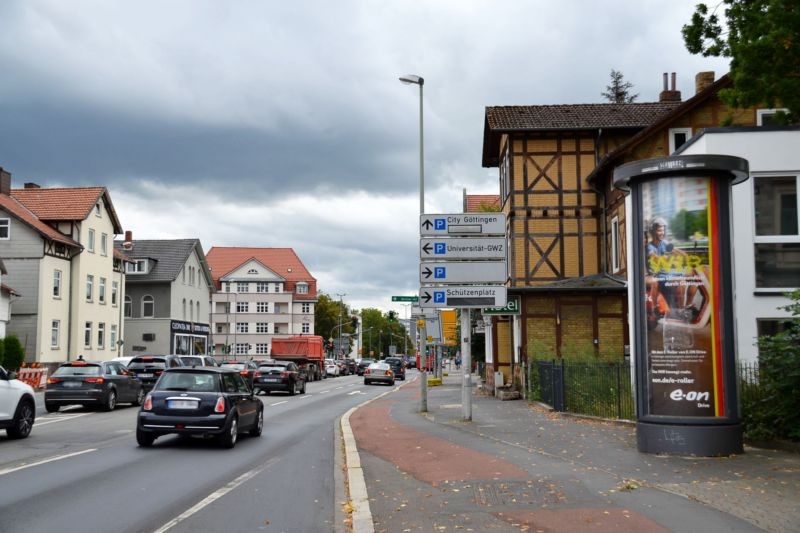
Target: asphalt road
<point>81,470</point>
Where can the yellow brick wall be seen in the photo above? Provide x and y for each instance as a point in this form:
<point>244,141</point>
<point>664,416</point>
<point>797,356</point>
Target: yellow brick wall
<point>503,331</point>
<point>576,330</point>
<point>541,341</point>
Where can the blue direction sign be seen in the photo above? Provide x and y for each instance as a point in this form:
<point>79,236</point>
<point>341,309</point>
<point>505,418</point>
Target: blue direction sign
<point>463,272</point>
<point>473,296</point>
<point>463,224</point>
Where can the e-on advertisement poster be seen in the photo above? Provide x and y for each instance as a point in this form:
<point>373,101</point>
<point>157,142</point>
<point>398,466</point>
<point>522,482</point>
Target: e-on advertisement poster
<point>681,247</point>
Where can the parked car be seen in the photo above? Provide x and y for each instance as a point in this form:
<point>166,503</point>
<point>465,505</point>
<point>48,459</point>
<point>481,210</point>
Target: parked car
<point>92,384</point>
<point>148,368</point>
<point>352,366</point>
<point>331,368</point>
<point>17,405</point>
<point>344,370</point>
<point>246,368</point>
<point>202,401</point>
<point>363,364</point>
<point>378,372</point>
<point>398,367</point>
<point>411,362</point>
<point>198,360</point>
<point>283,376</point>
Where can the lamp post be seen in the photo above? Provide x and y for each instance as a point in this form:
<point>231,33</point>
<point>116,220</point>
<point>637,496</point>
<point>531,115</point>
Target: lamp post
<point>340,295</point>
<point>418,80</point>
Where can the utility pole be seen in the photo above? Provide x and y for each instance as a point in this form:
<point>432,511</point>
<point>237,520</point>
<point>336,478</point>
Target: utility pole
<point>466,365</point>
<point>340,295</point>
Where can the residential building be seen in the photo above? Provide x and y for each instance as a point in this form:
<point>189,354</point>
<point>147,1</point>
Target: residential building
<point>6,294</point>
<point>766,240</point>
<point>167,297</point>
<point>57,246</point>
<point>262,293</point>
<point>566,223</point>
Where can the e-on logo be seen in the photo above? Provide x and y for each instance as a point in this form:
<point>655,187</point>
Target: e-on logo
<point>691,396</point>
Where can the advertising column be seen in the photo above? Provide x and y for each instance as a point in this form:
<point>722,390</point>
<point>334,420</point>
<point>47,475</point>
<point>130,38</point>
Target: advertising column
<point>682,278</point>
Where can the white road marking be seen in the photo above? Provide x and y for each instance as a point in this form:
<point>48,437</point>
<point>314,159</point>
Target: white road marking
<point>354,392</point>
<point>278,403</point>
<point>52,420</point>
<point>324,391</point>
<point>214,496</point>
<point>44,461</point>
<point>337,388</point>
<point>303,397</point>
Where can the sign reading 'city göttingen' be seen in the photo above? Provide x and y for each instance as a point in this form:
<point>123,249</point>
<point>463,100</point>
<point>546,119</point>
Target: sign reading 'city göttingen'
<point>463,224</point>
<point>463,248</point>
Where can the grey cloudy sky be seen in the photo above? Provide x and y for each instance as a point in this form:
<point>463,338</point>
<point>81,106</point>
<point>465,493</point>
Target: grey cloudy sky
<point>255,123</point>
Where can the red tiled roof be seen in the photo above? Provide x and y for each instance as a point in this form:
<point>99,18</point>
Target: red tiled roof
<point>283,261</point>
<point>476,202</point>
<point>120,255</point>
<point>65,203</point>
<point>21,212</point>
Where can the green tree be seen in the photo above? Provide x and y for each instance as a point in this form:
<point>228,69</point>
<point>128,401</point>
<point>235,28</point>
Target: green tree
<point>2,352</point>
<point>777,415</point>
<point>763,42</point>
<point>14,354</point>
<point>619,92</point>
<point>326,315</point>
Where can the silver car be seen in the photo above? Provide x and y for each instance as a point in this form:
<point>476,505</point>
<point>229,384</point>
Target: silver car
<point>378,373</point>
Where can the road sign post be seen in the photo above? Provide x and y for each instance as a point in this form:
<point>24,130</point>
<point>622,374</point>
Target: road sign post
<point>463,224</point>
<point>463,272</point>
<point>463,296</point>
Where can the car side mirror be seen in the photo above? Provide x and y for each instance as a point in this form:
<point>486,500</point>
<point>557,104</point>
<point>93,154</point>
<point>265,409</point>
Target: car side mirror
<point>11,375</point>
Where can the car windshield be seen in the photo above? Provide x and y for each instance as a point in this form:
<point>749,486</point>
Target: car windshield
<point>392,361</point>
<point>235,366</point>
<point>78,370</point>
<point>379,366</point>
<point>366,361</point>
<point>191,360</point>
<point>267,368</point>
<point>187,381</point>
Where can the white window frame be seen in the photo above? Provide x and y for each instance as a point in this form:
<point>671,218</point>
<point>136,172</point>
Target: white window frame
<point>90,241</point>
<point>112,337</point>
<point>242,348</point>
<point>262,286</point>
<point>127,307</point>
<point>277,287</point>
<point>97,212</point>
<point>242,286</point>
<point>57,284</point>
<point>761,113</point>
<point>5,223</point>
<point>262,348</point>
<point>773,239</point>
<point>242,327</point>
<point>103,244</point>
<point>305,328</point>
<point>87,335</point>
<point>101,335</point>
<point>114,293</point>
<point>302,287</point>
<point>89,287</point>
<point>262,307</point>
<point>151,301</point>
<point>305,308</point>
<point>184,309</point>
<point>242,307</point>
<point>55,334</point>
<point>139,266</point>
<point>673,132</point>
<point>262,327</point>
<point>101,291</point>
<point>615,263</point>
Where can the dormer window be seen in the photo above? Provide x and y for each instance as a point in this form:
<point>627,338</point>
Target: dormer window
<point>253,271</point>
<point>97,209</point>
<point>302,288</point>
<point>139,266</point>
<point>766,117</point>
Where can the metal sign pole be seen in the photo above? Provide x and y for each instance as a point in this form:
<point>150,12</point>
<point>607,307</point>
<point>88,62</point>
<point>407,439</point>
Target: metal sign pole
<point>423,380</point>
<point>466,365</point>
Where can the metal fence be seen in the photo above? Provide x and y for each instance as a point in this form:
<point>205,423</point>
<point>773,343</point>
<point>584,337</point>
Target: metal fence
<point>605,389</point>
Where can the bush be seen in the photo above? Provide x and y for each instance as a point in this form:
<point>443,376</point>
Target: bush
<point>2,353</point>
<point>776,413</point>
<point>14,354</point>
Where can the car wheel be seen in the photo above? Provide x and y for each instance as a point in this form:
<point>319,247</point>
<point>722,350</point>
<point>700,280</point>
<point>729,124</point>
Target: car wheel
<point>391,383</point>
<point>366,382</point>
<point>144,439</point>
<point>111,401</point>
<point>139,398</point>
<point>51,407</point>
<point>23,420</point>
<point>293,389</point>
<point>255,431</point>
<point>303,390</point>
<point>228,439</point>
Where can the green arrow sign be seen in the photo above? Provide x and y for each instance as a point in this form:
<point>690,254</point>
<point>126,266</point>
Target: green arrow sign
<point>405,298</point>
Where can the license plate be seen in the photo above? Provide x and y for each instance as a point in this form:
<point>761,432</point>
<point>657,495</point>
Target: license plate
<point>181,404</point>
<point>73,384</point>
<point>272,379</point>
<point>145,375</point>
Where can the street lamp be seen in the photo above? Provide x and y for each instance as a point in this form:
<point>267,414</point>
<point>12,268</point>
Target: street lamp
<point>417,80</point>
<point>340,295</point>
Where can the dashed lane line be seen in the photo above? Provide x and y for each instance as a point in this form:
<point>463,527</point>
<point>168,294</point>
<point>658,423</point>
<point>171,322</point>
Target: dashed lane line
<point>324,391</point>
<point>53,420</point>
<point>278,403</point>
<point>44,461</point>
<point>303,397</point>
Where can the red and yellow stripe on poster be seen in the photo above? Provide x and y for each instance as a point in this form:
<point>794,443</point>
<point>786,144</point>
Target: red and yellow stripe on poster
<point>716,319</point>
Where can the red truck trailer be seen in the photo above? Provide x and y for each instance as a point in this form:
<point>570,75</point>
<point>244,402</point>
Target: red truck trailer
<point>305,350</point>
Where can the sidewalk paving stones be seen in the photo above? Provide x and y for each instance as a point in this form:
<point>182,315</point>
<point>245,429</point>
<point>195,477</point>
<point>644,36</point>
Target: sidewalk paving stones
<point>519,467</point>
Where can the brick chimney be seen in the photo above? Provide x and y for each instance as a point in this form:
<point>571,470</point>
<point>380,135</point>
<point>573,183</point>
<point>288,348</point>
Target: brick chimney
<point>669,94</point>
<point>127,244</point>
<point>5,182</point>
<point>703,80</point>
